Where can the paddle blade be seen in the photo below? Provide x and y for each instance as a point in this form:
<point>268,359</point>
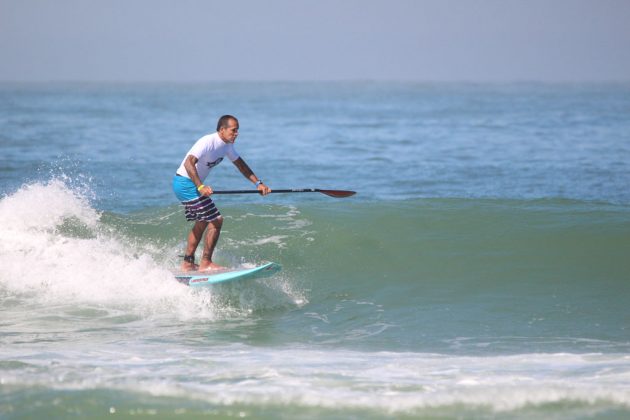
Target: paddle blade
<point>337,193</point>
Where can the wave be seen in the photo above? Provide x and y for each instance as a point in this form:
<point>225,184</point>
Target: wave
<point>371,269</point>
<point>432,307</point>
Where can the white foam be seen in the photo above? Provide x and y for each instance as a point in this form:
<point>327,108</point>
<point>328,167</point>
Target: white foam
<point>408,382</point>
<point>392,383</point>
<point>42,206</point>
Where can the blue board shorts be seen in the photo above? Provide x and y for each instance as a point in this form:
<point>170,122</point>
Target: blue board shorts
<point>197,207</point>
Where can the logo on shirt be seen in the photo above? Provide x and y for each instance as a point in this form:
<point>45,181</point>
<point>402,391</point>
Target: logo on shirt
<point>215,163</point>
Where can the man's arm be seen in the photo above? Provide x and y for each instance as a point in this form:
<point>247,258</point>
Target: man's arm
<point>189,164</point>
<point>249,174</point>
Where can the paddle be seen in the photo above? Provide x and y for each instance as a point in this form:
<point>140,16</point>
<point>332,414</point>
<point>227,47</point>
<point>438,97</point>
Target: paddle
<point>330,193</point>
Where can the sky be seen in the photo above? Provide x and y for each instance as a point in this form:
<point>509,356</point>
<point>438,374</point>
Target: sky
<point>287,40</point>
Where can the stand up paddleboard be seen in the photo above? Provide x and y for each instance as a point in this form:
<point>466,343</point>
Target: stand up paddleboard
<point>200,278</point>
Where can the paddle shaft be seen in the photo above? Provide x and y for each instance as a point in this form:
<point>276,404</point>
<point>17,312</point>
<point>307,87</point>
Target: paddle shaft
<point>331,193</point>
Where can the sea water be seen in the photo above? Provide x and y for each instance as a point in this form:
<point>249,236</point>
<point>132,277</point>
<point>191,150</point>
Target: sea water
<point>481,271</point>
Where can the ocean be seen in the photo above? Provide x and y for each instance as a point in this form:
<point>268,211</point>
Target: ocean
<point>482,270</point>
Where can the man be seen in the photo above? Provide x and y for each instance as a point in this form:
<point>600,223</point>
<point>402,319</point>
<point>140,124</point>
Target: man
<point>188,186</point>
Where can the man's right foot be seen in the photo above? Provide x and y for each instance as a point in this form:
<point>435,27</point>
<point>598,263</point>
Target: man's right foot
<point>186,266</point>
<point>189,263</point>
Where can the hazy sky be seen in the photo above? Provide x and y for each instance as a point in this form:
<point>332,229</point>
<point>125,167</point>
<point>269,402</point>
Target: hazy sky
<point>426,40</point>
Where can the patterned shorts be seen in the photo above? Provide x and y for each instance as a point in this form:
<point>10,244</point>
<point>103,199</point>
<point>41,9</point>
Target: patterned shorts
<point>202,209</point>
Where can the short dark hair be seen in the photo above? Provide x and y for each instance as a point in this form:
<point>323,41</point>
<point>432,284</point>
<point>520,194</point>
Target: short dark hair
<point>224,121</point>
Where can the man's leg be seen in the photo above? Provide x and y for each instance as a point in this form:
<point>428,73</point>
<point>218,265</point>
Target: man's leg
<point>212,237</point>
<point>194,237</point>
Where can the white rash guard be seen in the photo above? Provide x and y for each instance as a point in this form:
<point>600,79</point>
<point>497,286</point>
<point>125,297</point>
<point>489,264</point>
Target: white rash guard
<point>210,151</point>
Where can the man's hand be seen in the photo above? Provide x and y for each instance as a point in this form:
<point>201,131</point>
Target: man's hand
<point>206,191</point>
<point>264,190</point>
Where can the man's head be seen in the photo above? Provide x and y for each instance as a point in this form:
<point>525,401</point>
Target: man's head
<point>227,127</point>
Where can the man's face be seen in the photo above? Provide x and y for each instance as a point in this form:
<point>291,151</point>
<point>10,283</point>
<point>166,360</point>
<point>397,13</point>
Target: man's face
<point>230,133</point>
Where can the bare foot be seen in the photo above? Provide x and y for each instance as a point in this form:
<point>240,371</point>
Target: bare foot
<point>186,266</point>
<point>211,267</point>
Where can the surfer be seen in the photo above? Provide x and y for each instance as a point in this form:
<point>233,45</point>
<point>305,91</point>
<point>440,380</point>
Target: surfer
<point>189,188</point>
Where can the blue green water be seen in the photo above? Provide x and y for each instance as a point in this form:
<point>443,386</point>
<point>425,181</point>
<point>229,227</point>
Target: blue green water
<point>481,270</point>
